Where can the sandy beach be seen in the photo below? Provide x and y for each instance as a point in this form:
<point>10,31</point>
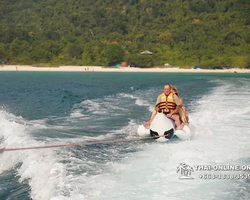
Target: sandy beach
<point>114,69</point>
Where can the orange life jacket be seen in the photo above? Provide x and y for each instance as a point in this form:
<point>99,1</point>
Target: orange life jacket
<point>167,104</point>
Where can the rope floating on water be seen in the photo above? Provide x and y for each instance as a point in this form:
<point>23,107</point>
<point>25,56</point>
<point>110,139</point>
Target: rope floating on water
<point>75,144</point>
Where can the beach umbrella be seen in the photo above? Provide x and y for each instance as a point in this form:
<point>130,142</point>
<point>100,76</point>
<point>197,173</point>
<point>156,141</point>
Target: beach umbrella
<point>196,66</point>
<point>123,64</point>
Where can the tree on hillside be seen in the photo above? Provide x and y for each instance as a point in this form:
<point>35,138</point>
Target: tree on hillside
<point>114,54</point>
<point>83,32</point>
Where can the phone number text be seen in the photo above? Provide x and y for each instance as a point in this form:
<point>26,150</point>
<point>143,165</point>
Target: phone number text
<point>224,176</point>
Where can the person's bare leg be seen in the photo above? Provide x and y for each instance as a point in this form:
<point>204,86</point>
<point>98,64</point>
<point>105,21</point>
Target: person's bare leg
<point>180,126</point>
<point>184,116</point>
<point>177,121</point>
<point>147,124</point>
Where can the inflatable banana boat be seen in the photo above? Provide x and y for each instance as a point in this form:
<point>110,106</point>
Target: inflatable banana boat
<point>163,129</point>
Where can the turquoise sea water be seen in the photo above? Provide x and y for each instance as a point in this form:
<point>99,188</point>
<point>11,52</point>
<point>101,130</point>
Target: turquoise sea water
<point>51,108</point>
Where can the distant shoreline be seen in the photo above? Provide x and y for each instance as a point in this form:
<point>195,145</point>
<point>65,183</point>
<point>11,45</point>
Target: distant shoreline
<point>114,69</point>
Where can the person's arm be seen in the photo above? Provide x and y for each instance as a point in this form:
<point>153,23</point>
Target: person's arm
<point>158,100</point>
<point>157,103</point>
<point>181,101</point>
<point>153,115</point>
<point>147,124</point>
<point>176,110</point>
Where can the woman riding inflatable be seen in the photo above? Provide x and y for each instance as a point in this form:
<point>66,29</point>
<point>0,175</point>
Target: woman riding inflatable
<point>182,112</point>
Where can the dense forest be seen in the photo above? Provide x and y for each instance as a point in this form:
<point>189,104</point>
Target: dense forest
<point>103,32</point>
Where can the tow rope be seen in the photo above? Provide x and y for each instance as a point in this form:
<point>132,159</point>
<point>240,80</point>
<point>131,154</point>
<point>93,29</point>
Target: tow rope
<point>76,144</point>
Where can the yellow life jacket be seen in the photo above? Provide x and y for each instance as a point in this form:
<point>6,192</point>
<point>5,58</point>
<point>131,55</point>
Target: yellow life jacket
<point>167,104</point>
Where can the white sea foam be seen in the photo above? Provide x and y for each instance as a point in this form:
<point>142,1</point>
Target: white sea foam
<point>46,176</point>
<point>129,130</point>
<point>101,106</point>
<point>221,133</point>
<point>139,97</point>
<point>221,138</point>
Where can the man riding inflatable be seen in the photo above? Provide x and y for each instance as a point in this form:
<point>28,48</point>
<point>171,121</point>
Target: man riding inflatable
<point>168,102</point>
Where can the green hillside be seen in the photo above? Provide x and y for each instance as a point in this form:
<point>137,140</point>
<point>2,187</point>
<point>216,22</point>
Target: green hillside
<point>104,32</point>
